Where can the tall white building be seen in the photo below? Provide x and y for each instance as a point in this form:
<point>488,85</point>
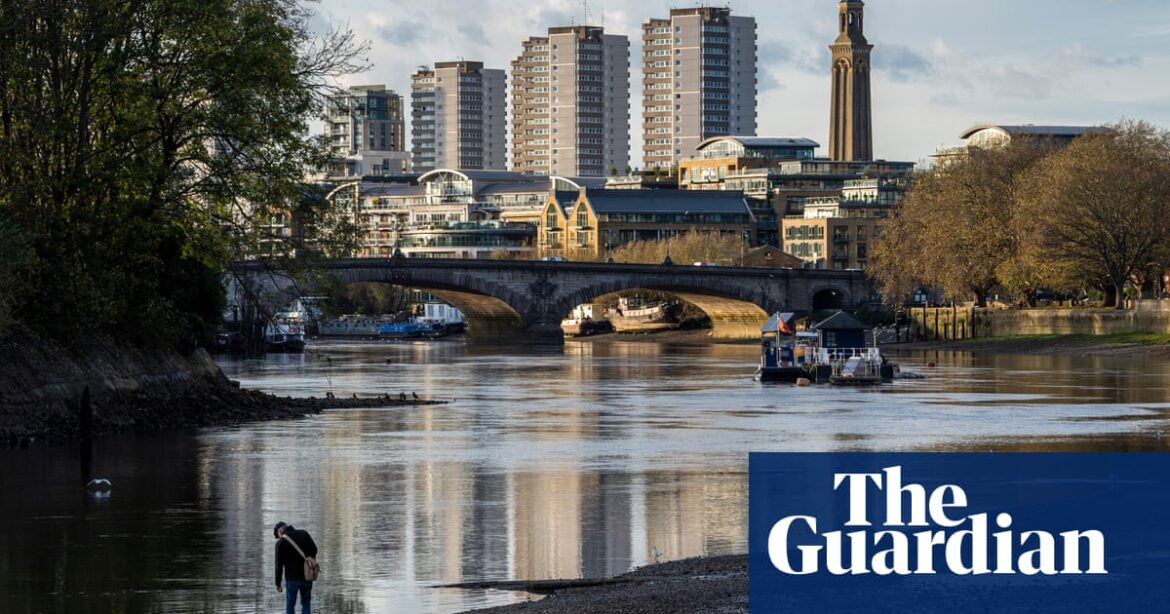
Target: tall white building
<point>457,117</point>
<point>699,81</point>
<point>366,132</point>
<point>571,103</point>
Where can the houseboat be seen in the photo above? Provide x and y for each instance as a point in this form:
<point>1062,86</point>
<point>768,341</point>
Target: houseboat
<point>633,317</point>
<point>285,332</point>
<point>581,322</point>
<point>356,325</point>
<point>786,355</point>
<point>839,350</point>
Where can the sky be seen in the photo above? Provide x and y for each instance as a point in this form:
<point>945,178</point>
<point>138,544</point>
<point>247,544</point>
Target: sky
<point>939,66</point>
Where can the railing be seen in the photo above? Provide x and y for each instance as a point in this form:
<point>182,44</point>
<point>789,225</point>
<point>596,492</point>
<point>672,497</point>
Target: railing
<point>831,355</point>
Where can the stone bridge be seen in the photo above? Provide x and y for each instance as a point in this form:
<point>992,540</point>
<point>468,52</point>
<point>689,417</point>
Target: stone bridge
<point>505,297</point>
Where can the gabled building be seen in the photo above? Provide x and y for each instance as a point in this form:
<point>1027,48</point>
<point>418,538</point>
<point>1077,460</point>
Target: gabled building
<point>587,224</point>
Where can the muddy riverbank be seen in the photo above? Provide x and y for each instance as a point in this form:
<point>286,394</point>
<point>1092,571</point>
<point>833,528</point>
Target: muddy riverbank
<point>51,393</point>
<point>703,585</point>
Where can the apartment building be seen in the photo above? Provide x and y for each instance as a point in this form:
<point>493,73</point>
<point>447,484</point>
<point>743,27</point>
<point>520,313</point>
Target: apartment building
<point>570,104</point>
<point>836,232</point>
<point>366,133</point>
<point>457,117</point>
<point>698,81</point>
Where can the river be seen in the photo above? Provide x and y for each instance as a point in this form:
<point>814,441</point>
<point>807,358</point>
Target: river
<point>548,461</point>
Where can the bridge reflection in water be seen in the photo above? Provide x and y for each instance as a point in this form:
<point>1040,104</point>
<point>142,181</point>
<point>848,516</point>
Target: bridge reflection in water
<point>503,298</point>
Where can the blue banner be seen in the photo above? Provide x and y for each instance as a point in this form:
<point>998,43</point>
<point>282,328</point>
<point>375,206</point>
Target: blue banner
<point>962,532</point>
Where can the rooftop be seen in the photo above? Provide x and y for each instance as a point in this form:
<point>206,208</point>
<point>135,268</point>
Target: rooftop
<point>751,142</point>
<point>1032,130</point>
<point>841,321</point>
<point>666,201</point>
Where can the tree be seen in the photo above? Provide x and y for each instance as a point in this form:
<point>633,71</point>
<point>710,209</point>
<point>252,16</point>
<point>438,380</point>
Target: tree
<point>701,245</point>
<point>956,228</point>
<point>1101,206</point>
<point>139,142</point>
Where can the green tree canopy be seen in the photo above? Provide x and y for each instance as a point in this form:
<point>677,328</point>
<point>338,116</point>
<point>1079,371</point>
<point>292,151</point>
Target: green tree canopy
<point>135,136</point>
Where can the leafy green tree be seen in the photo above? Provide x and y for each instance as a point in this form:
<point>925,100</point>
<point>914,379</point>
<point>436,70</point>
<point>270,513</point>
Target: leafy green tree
<point>139,142</point>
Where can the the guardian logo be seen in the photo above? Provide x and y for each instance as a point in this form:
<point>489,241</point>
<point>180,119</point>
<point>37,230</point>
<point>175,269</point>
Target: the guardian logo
<point>924,533</point>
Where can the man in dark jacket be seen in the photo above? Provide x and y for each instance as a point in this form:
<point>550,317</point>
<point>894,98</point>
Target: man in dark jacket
<point>290,565</point>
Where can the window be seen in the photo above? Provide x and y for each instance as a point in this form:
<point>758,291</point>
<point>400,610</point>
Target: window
<point>582,218</point>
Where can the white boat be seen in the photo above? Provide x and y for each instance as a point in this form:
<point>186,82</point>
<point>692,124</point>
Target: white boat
<point>286,331</point>
<point>631,317</point>
<point>581,322</point>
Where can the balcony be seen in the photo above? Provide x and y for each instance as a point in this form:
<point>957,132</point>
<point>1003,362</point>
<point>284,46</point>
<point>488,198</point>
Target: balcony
<point>843,238</point>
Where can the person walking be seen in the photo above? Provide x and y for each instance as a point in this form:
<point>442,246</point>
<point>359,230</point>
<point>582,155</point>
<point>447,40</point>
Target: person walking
<point>293,546</point>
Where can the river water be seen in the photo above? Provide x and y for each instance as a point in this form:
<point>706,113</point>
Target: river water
<point>548,462</point>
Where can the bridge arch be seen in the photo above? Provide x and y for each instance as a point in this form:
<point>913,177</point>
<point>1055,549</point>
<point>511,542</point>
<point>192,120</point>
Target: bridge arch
<point>491,309</point>
<point>830,296</point>
<point>734,314</point>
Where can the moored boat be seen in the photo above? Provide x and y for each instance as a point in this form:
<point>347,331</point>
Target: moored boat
<point>786,355</point>
<point>581,322</point>
<point>630,317</point>
<point>838,350</point>
<point>285,333</point>
<point>405,330</point>
<point>360,326</point>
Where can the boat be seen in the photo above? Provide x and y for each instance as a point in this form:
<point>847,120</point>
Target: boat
<point>581,322</point>
<point>839,350</point>
<point>356,325</point>
<point>630,317</point>
<point>848,354</point>
<point>786,355</point>
<point>405,330</point>
<point>443,320</point>
<point>285,332</point>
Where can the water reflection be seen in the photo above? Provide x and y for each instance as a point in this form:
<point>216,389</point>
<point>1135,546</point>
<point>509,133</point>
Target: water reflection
<point>551,462</point>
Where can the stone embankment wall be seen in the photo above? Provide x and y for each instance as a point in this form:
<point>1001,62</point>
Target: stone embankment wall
<point>945,323</point>
<point>42,383</point>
